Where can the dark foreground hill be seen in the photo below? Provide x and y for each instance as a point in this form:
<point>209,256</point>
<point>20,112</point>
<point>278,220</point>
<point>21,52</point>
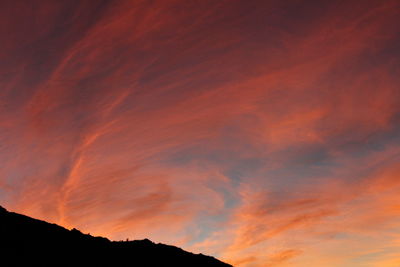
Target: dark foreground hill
<point>25,241</point>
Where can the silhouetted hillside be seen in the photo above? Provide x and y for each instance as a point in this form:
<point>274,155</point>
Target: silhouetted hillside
<point>29,242</point>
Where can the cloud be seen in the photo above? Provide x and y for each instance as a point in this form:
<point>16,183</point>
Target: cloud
<point>240,127</point>
<point>320,220</point>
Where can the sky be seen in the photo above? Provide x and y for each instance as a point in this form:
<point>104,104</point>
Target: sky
<point>264,133</point>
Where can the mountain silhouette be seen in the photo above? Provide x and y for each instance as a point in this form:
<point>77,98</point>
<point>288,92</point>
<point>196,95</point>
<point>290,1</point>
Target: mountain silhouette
<point>25,241</point>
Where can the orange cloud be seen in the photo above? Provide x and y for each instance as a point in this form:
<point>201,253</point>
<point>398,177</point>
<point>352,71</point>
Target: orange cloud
<point>251,131</point>
<point>335,217</point>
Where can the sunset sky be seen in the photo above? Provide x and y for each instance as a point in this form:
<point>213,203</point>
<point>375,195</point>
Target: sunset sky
<point>264,133</point>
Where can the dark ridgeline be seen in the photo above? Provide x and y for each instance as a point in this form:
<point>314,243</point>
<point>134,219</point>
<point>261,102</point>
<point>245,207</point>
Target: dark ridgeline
<point>29,242</point>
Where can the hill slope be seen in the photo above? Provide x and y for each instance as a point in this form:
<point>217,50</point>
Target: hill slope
<point>25,241</point>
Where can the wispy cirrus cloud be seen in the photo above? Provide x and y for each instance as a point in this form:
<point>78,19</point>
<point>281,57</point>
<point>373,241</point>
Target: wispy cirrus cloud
<point>251,131</point>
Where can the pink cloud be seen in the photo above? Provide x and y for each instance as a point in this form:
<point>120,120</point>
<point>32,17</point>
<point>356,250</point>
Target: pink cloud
<point>254,132</point>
